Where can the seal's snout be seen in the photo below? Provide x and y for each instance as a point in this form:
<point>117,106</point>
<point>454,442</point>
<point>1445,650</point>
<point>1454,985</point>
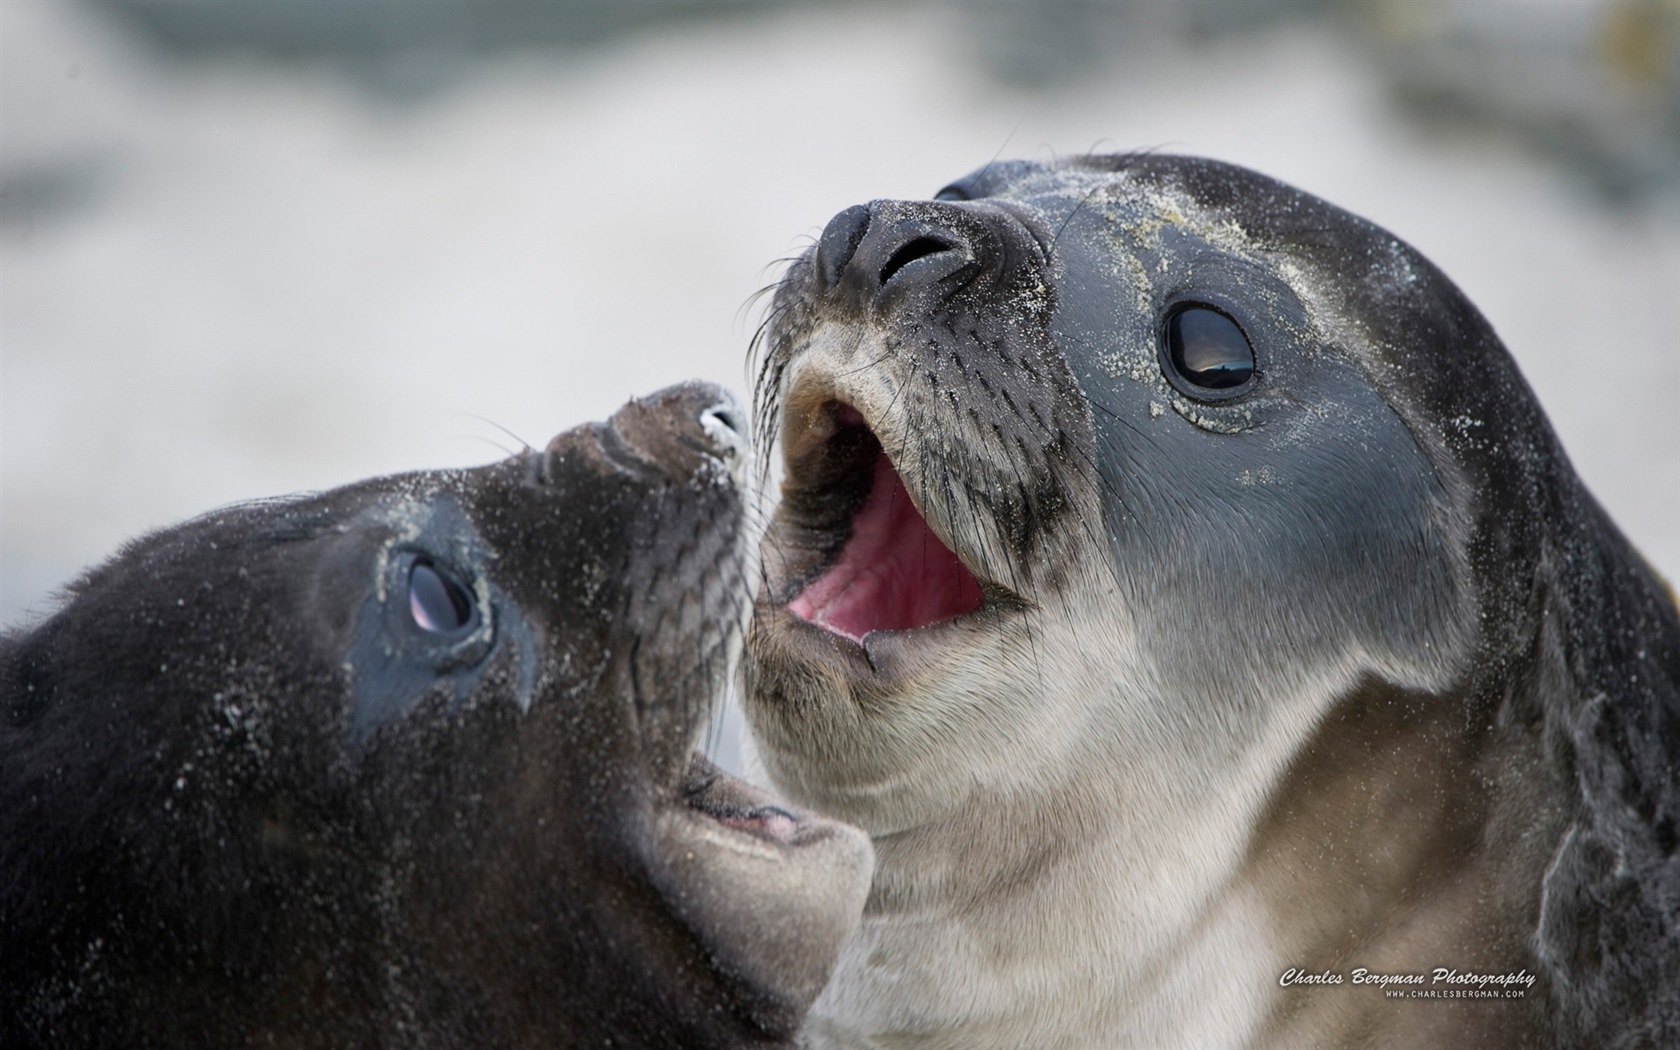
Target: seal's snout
<point>870,252</point>
<point>907,437</point>
<point>676,431</point>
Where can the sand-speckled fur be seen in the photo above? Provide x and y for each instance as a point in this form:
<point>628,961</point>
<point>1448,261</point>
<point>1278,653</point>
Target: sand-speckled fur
<point>1347,671</point>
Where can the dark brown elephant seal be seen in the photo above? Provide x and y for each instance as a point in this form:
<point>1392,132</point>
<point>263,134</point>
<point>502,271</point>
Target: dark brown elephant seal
<point>1177,579</point>
<point>412,764</point>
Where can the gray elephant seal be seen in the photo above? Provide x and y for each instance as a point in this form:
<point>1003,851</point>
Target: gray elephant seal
<point>1177,579</point>
<point>412,763</point>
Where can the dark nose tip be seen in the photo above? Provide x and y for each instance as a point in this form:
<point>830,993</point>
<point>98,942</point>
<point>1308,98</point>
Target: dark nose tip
<point>892,244</point>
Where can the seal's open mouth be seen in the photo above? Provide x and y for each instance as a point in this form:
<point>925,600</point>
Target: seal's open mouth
<point>884,568</point>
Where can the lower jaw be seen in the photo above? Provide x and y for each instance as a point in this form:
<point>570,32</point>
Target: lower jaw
<point>821,690</point>
<point>739,811</point>
<point>836,743</point>
<point>876,657</point>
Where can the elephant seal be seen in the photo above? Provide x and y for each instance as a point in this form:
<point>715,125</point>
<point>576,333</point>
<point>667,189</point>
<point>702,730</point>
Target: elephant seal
<point>412,763</point>
<point>1177,579</point>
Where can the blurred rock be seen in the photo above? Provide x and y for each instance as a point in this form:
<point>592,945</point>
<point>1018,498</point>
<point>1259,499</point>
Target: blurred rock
<point>1594,86</point>
<point>397,47</point>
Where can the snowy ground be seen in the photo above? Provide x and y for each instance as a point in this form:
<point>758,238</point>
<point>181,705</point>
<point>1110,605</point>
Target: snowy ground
<point>235,280</point>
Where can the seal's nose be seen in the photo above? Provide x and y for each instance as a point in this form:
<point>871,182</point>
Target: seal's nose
<point>701,416</point>
<point>887,247</point>
<point>674,432</point>
<point>840,239</point>
<point>723,424</point>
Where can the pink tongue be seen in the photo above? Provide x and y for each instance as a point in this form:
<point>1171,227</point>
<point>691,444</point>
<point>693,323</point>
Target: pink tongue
<point>893,573</point>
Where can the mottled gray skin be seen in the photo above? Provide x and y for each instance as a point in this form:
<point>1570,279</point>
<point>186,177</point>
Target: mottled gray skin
<point>1349,670</point>
<point>245,800</point>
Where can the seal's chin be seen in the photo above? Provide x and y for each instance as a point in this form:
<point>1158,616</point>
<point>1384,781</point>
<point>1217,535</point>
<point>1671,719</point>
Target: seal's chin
<point>772,890</point>
<point>891,571</point>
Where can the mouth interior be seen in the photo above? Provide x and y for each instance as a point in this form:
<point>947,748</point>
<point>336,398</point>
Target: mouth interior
<point>893,573</point>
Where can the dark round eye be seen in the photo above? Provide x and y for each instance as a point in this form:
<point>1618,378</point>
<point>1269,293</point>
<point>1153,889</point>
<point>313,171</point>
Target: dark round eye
<point>438,604</point>
<point>1207,350</point>
<point>952,192</point>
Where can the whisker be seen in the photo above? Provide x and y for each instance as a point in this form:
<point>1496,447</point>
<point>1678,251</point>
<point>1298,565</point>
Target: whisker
<point>526,445</point>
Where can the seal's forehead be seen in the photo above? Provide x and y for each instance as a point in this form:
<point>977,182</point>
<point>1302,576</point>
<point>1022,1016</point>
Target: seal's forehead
<point>1113,208</point>
<point>1049,187</point>
<point>1181,191</point>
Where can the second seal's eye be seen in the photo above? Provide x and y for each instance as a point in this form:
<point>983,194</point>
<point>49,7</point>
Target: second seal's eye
<point>437,603</point>
<point>1206,352</point>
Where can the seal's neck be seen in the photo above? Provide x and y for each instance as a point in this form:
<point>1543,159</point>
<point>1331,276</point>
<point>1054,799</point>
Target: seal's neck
<point>1013,923</point>
<point>1409,834</point>
<point>1135,911</point>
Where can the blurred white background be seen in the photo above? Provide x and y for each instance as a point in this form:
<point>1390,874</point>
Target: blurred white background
<point>254,248</point>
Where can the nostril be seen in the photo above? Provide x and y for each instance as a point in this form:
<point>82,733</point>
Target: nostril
<point>840,240</point>
<point>919,248</point>
<point>725,415</point>
<point>725,425</point>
